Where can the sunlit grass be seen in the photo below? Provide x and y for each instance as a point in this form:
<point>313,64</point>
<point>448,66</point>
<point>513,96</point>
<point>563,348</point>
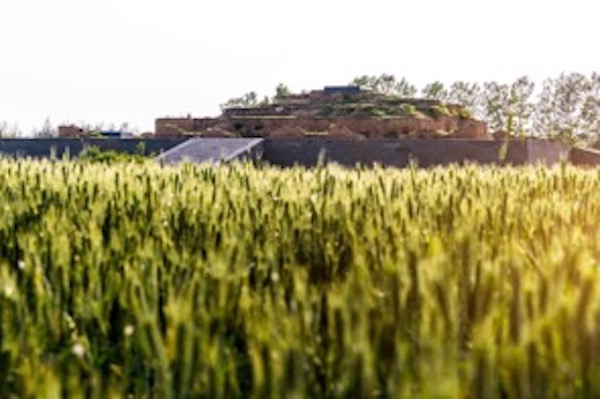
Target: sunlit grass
<point>259,282</point>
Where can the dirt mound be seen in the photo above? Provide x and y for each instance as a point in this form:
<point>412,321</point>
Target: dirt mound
<point>217,133</point>
<point>287,131</point>
<point>343,132</point>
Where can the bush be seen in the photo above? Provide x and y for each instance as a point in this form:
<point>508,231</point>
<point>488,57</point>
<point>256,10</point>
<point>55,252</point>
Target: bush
<point>95,154</point>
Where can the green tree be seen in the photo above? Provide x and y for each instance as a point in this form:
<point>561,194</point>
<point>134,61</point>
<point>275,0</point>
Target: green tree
<point>495,104</point>
<point>591,108</point>
<point>468,95</point>
<point>386,84</point>
<point>248,100</point>
<point>561,110</point>
<point>404,88</point>
<point>436,91</point>
<point>365,81</point>
<point>508,107</point>
<point>521,106</point>
<point>281,91</point>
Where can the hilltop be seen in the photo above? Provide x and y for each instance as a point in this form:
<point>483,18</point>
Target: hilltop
<point>349,112</point>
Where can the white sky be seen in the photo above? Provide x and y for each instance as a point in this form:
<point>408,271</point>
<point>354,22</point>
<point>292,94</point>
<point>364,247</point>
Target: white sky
<point>117,61</point>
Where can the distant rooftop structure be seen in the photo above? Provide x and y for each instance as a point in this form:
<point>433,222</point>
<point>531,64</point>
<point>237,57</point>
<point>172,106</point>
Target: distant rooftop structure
<point>342,90</point>
<point>76,131</point>
<point>115,134</point>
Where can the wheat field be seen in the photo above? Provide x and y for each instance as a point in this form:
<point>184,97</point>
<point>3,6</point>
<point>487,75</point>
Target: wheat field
<point>143,281</point>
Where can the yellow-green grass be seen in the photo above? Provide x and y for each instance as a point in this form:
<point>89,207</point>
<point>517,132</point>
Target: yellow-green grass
<point>239,281</point>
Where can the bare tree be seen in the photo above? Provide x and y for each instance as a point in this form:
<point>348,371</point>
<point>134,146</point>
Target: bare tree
<point>8,131</point>
<point>47,130</point>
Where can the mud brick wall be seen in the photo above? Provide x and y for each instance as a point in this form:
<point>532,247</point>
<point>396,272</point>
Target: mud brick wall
<point>174,127</point>
<point>369,127</point>
<point>546,152</point>
<point>584,157</point>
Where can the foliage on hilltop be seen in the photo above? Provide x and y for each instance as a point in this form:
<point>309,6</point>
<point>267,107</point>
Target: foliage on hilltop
<point>566,107</point>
